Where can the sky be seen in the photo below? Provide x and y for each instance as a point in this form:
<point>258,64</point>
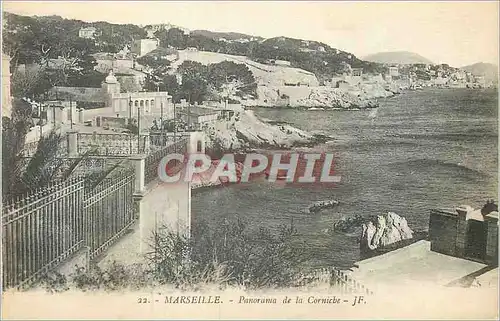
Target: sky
<point>457,33</point>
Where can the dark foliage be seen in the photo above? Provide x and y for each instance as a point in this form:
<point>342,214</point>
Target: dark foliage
<point>14,131</point>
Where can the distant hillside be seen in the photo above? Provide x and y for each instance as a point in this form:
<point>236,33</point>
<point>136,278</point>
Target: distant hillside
<point>312,56</point>
<point>226,35</point>
<point>398,57</point>
<point>24,38</point>
<point>489,71</point>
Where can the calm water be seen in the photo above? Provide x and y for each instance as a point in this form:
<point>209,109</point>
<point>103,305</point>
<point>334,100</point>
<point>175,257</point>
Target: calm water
<point>417,151</point>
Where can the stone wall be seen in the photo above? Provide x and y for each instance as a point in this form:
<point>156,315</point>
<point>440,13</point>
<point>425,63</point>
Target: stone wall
<point>448,233</point>
<point>492,239</point>
<point>105,65</point>
<point>83,94</point>
<point>443,232</point>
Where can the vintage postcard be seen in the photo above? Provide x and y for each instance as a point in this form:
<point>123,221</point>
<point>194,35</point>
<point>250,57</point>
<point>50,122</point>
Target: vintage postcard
<point>249,160</point>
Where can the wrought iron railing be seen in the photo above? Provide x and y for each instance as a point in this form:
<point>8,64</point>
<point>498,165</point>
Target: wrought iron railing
<point>112,144</point>
<point>108,211</point>
<point>30,149</point>
<point>335,278</point>
<point>40,230</point>
<point>172,144</point>
<point>43,228</point>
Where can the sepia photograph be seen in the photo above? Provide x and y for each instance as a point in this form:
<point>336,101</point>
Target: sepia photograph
<point>310,160</point>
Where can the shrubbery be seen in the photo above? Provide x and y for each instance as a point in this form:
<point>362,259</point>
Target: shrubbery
<point>228,253</point>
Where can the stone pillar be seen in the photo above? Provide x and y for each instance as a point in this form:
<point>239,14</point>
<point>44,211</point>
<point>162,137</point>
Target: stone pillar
<point>492,238</point>
<point>139,192</point>
<point>147,142</point>
<point>50,114</point>
<point>66,115</point>
<point>139,166</point>
<point>461,239</point>
<point>81,116</point>
<point>182,194</point>
<point>72,143</point>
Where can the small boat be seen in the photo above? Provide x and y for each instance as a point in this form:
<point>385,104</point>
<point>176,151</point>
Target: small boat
<point>318,206</point>
<point>316,108</point>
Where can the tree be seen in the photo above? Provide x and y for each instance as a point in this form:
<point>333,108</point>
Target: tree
<point>14,131</point>
<point>173,37</point>
<point>192,69</point>
<point>155,61</point>
<point>232,77</point>
<point>129,84</point>
<point>172,87</point>
<point>31,82</point>
<point>225,78</point>
<point>193,88</point>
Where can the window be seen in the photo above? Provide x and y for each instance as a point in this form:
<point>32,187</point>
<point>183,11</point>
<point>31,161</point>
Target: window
<point>199,146</point>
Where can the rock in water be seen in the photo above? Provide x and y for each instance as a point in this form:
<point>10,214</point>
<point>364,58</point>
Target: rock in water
<point>368,231</point>
<point>389,229</point>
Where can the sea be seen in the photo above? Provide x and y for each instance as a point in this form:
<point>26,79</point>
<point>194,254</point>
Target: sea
<point>419,150</point>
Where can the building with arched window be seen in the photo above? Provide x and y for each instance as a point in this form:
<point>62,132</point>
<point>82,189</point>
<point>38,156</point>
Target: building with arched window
<point>149,103</point>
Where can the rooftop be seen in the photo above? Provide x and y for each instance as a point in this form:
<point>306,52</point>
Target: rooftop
<point>412,265</point>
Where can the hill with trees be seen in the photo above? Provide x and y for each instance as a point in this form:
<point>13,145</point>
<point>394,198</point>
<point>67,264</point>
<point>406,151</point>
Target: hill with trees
<point>312,56</point>
<point>225,35</point>
<point>37,40</point>
<point>201,82</point>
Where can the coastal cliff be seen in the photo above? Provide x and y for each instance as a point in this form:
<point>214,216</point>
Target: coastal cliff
<point>359,96</point>
<point>249,131</point>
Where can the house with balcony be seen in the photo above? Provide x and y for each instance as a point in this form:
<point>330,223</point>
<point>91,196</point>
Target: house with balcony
<point>87,32</point>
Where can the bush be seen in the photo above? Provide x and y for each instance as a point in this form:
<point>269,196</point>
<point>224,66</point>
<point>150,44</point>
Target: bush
<point>261,258</point>
<point>54,282</point>
<point>228,253</point>
<point>170,263</point>
<point>112,278</point>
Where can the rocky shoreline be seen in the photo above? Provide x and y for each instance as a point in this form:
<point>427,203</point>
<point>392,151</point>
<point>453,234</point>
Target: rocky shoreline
<point>250,132</point>
<point>360,96</point>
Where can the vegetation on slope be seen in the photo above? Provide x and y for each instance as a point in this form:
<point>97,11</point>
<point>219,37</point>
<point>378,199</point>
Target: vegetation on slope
<point>224,254</point>
<point>201,82</point>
